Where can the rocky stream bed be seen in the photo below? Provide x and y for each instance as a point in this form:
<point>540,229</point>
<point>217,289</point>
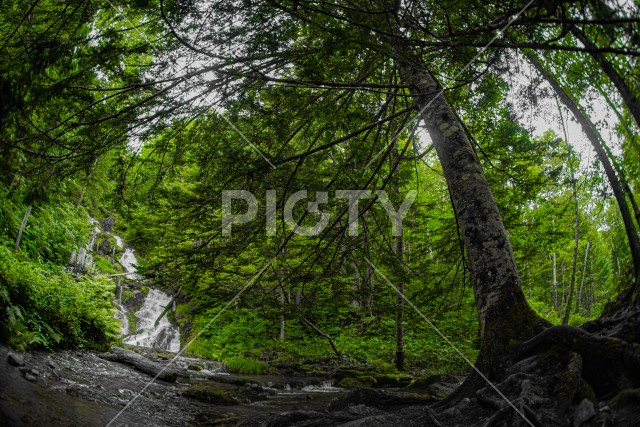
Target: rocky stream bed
<point>74,388</point>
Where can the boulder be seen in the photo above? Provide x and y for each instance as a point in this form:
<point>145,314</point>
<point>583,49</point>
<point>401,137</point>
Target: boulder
<point>15,359</point>
<point>107,224</point>
<point>210,394</point>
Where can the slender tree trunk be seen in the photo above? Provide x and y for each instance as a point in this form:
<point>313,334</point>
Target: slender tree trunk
<point>563,268</point>
<point>25,218</point>
<point>627,95</point>
<point>282,317</point>
<point>505,316</point>
<point>530,281</point>
<point>584,274</point>
<point>617,167</point>
<point>594,138</point>
<point>555,284</point>
<point>355,300</point>
<point>323,334</point>
<point>576,211</point>
<point>398,249</point>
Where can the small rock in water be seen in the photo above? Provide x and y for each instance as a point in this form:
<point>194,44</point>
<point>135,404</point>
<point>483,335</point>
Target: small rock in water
<point>15,359</point>
<point>196,368</point>
<point>29,377</point>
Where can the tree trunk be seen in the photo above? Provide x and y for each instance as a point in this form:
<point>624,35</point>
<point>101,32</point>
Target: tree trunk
<point>584,274</point>
<point>627,95</point>
<point>25,218</point>
<point>616,165</point>
<point>555,284</point>
<point>141,364</point>
<point>563,267</point>
<point>504,314</point>
<point>594,137</point>
<point>576,240</point>
<point>398,249</point>
<point>282,317</point>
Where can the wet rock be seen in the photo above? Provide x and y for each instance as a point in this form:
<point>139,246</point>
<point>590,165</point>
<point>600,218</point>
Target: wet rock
<point>105,247</point>
<point>210,394</point>
<point>107,224</point>
<point>15,359</point>
<point>290,417</point>
<point>376,398</point>
<point>30,371</point>
<point>441,390</point>
<point>584,412</point>
<point>392,381</point>
<point>362,381</point>
<point>30,377</point>
<point>196,368</point>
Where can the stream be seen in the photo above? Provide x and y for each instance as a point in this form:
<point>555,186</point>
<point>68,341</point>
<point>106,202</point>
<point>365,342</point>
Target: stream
<point>86,388</point>
<point>159,340</point>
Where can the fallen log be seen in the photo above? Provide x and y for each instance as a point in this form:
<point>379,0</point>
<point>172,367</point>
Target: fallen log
<point>141,364</point>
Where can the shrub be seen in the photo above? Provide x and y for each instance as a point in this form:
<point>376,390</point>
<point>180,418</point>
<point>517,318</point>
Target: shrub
<point>47,307</point>
<point>242,365</point>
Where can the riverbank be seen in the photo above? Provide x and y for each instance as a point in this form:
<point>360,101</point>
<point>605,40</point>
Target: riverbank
<point>83,389</point>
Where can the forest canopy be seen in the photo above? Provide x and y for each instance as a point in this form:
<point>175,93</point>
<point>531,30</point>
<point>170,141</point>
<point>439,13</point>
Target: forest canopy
<point>514,125</point>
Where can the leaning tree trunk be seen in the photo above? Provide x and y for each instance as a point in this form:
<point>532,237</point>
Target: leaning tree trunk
<point>505,316</point>
<point>594,138</point>
<point>626,93</point>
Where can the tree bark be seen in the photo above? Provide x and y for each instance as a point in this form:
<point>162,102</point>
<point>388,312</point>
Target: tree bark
<point>140,363</point>
<point>594,138</point>
<point>504,314</point>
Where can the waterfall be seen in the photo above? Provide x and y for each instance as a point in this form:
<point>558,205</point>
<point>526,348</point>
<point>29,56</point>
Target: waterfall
<point>161,335</point>
<point>128,261</point>
<point>148,333</point>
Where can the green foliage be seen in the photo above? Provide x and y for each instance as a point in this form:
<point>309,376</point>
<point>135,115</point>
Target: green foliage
<point>104,265</point>
<point>127,295</point>
<point>243,365</point>
<point>49,308</point>
<point>52,232</point>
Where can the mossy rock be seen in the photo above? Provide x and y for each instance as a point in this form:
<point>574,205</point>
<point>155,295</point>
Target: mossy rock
<point>196,368</point>
<point>393,380</point>
<point>361,381</point>
<point>209,394</point>
<point>126,295</point>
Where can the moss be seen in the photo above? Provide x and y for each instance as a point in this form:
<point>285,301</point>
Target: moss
<point>103,264</point>
<point>127,295</point>
<point>361,381</point>
<point>393,380</point>
<point>210,394</point>
<point>133,321</point>
<point>144,290</point>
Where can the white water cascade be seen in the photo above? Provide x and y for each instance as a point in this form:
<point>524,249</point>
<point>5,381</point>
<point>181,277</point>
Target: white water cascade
<point>162,335</point>
<point>148,333</point>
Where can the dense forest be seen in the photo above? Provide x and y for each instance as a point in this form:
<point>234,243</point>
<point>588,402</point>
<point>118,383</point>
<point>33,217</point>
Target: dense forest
<point>393,187</point>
